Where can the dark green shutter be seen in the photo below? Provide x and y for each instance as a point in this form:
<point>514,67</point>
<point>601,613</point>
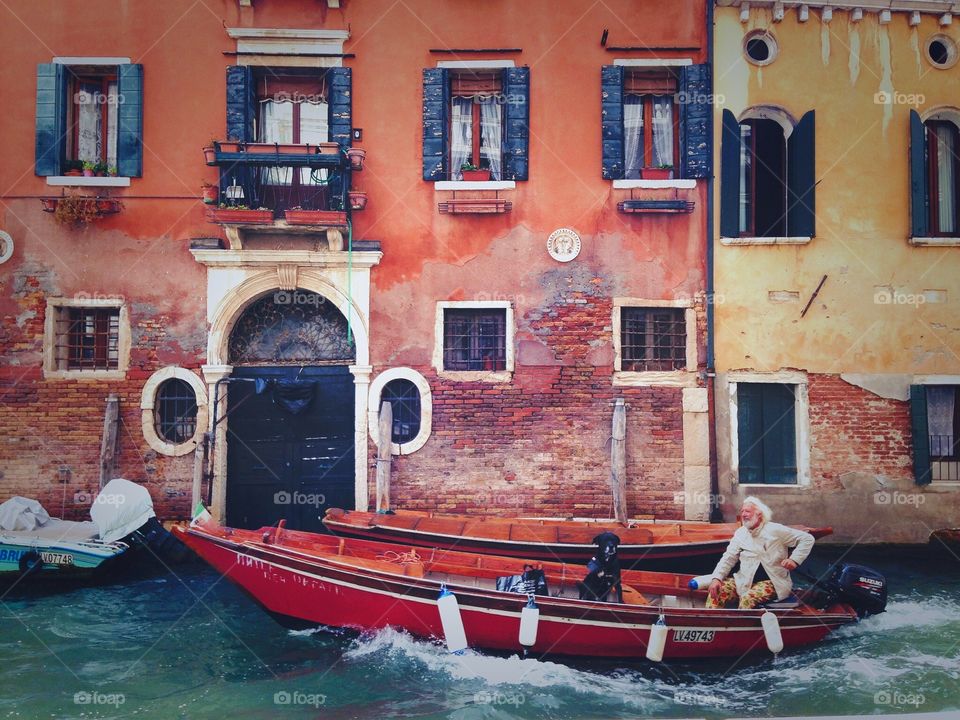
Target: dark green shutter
<point>51,118</point>
<point>340,106</point>
<point>130,120</point>
<point>241,103</point>
<point>801,178</point>
<point>779,434</point>
<point>611,122</point>
<point>436,122</point>
<point>696,112</point>
<point>921,435</point>
<point>750,432</point>
<point>919,182</point>
<point>730,176</point>
<point>516,138</point>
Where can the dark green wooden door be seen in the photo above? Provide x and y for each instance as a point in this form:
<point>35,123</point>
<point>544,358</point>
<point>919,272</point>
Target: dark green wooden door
<point>766,428</point>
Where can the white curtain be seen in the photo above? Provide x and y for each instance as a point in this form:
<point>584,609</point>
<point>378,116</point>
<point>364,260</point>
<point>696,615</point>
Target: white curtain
<point>633,135</point>
<point>461,134</point>
<point>946,180</point>
<point>112,125</point>
<point>662,131</point>
<point>314,129</point>
<point>940,414</point>
<point>89,131</point>
<point>746,178</point>
<point>490,135</point>
<point>276,126</point>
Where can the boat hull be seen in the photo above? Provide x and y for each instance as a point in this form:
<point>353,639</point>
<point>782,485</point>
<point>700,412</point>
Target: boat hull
<point>314,590</point>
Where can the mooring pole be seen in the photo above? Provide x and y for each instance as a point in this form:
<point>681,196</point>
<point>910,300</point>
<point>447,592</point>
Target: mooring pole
<point>384,457</point>
<point>618,462</point>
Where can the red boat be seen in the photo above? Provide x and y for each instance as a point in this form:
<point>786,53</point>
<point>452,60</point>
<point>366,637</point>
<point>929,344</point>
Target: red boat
<point>304,579</point>
<point>648,544</point>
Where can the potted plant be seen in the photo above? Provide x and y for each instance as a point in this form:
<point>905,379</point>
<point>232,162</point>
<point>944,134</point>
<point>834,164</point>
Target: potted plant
<point>470,172</point>
<point>89,168</point>
<point>111,170</point>
<point>356,156</point>
<point>79,210</point>
<point>210,153</point>
<point>663,171</point>
<point>299,216</point>
<point>357,199</point>
<point>211,193</point>
<point>73,168</point>
<point>240,215</point>
<point>100,169</point>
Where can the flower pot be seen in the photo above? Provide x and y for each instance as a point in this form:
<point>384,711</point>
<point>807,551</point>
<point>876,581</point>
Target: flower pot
<point>316,217</point>
<point>210,155</point>
<point>357,156</point>
<point>279,149</point>
<point>230,216</point>
<point>328,148</point>
<point>656,173</point>
<point>228,147</point>
<point>88,173</point>
<point>211,194</point>
<point>358,199</point>
<point>475,175</point>
<point>108,207</point>
<point>73,173</point>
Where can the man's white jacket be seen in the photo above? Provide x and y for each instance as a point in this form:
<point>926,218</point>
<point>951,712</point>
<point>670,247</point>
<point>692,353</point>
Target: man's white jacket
<point>766,545</point>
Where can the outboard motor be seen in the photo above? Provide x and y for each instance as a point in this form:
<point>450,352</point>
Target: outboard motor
<point>863,588</point>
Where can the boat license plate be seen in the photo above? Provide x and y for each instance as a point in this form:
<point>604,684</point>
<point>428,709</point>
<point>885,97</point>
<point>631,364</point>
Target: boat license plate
<point>50,558</point>
<point>697,636</point>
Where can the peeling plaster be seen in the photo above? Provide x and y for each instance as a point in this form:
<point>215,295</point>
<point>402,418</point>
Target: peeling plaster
<point>824,43</point>
<point>854,61</point>
<point>890,386</point>
<point>915,44</point>
<point>886,76</point>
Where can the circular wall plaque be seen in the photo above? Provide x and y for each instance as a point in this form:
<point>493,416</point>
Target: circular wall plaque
<point>6,246</point>
<point>563,245</point>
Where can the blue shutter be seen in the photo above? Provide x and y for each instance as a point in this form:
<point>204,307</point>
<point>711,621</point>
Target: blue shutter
<point>516,138</point>
<point>779,434</point>
<point>730,176</point>
<point>919,181</point>
<point>51,118</point>
<point>130,121</point>
<point>339,107</point>
<point>802,178</point>
<point>241,103</point>
<point>436,109</point>
<point>611,122</point>
<point>696,113</point>
<point>750,432</point>
<point>921,435</point>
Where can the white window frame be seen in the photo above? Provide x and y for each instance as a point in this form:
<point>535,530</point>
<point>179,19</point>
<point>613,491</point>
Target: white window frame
<point>659,378</point>
<point>938,380</point>
<point>148,402</point>
<point>426,408</point>
<point>801,418</point>
<point>51,368</point>
<point>496,376</point>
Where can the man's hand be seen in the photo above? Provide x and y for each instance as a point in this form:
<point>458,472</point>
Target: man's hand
<point>788,564</point>
<point>714,590</point>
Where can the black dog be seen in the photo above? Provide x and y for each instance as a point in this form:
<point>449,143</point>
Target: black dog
<point>604,571</point>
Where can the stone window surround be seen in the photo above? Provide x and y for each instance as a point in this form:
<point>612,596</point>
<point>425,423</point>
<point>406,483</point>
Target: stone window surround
<point>656,378</point>
<point>54,305</point>
<point>148,399</point>
<point>495,376</point>
<point>801,421</point>
<point>939,380</point>
<point>426,408</point>
<point>948,114</point>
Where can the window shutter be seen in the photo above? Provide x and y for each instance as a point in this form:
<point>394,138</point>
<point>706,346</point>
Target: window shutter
<point>695,126</point>
<point>730,176</point>
<point>780,434</point>
<point>130,121</point>
<point>340,106</point>
<point>919,181</point>
<point>611,121</point>
<point>436,109</point>
<point>241,103</point>
<point>516,138</point>
<point>51,118</point>
<point>921,434</point>
<point>749,433</point>
<point>801,178</point>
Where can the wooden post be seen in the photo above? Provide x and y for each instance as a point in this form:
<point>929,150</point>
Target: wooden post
<point>618,462</point>
<point>108,443</point>
<point>199,470</point>
<point>384,457</point>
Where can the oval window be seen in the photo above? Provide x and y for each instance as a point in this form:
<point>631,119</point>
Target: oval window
<point>941,52</point>
<point>404,398</point>
<point>175,411</point>
<point>760,47</point>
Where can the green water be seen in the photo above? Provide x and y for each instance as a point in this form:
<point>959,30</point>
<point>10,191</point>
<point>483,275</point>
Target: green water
<point>192,646</point>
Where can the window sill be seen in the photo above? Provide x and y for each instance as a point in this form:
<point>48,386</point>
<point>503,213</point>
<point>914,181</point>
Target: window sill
<point>490,376</point>
<point>654,184</point>
<point>774,486</point>
<point>935,241</point>
<point>475,185</point>
<point>85,374</point>
<point>655,378</point>
<point>82,181</point>
<point>796,240</point>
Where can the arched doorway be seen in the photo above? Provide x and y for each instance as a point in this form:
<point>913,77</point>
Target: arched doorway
<point>291,407</point>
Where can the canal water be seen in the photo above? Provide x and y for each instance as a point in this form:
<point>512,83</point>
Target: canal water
<point>191,645</point>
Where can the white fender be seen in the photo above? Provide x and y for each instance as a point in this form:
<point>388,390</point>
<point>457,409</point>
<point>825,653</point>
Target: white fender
<point>771,631</point>
<point>658,640</point>
<point>453,631</point>
<point>529,621</point>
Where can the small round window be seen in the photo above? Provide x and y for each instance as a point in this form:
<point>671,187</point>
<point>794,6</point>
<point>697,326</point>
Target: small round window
<point>941,51</point>
<point>760,47</point>
<point>175,411</point>
<point>404,398</point>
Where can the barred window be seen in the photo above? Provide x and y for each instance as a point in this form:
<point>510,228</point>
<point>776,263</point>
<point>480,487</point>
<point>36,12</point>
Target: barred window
<point>175,411</point>
<point>88,338</point>
<point>474,339</point>
<point>653,339</point>
<point>404,398</point>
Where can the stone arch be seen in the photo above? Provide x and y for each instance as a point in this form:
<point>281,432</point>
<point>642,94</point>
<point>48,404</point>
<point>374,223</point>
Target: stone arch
<point>770,112</point>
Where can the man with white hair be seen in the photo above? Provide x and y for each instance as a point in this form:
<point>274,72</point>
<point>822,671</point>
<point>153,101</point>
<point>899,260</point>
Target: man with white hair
<point>762,547</point>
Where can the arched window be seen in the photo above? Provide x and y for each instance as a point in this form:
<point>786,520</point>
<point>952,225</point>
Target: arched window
<point>935,171</point>
<point>175,411</point>
<point>409,395</point>
<point>404,398</point>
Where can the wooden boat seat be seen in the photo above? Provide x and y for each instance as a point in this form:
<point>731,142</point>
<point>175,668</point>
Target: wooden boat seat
<point>533,533</point>
<point>632,597</point>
